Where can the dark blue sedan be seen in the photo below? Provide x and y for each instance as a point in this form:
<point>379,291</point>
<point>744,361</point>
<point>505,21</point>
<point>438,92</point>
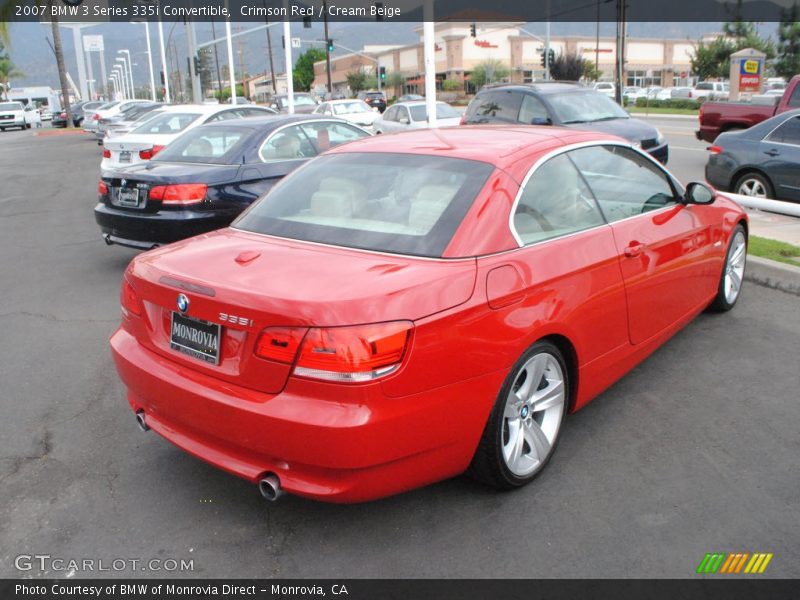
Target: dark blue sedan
<point>210,174</point>
<point>763,161</point>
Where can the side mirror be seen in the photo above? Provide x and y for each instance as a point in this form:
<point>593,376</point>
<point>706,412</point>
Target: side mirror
<point>403,120</point>
<point>541,121</point>
<point>699,193</point>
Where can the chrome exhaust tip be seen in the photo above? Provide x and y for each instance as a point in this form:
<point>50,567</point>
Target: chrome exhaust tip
<point>107,240</point>
<point>140,421</point>
<point>270,487</point>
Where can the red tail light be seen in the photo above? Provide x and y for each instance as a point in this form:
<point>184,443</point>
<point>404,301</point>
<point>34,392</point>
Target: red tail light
<point>280,343</point>
<point>95,117</point>
<point>63,115</point>
<point>342,354</point>
<point>463,120</point>
<point>715,149</point>
<point>102,188</point>
<point>129,298</point>
<point>106,153</point>
<point>184,193</point>
<point>150,152</point>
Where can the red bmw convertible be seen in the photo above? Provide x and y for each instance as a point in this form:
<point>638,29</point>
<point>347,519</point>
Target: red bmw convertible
<point>406,308</point>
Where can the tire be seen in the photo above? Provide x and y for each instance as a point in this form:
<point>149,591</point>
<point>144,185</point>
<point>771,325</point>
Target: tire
<point>754,184</point>
<point>499,461</point>
<point>27,125</point>
<point>730,282</point>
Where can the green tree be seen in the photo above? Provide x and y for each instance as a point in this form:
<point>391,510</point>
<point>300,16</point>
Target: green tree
<point>788,63</point>
<point>7,71</point>
<point>225,94</point>
<point>303,75</point>
<point>571,67</point>
<point>489,71</point>
<point>396,81</point>
<point>713,59</point>
<point>205,68</point>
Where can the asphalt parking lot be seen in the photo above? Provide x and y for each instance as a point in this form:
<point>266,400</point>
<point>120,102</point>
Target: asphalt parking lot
<point>695,451</point>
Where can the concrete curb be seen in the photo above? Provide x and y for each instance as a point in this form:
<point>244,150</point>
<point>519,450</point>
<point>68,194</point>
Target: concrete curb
<point>773,274</point>
<point>59,132</point>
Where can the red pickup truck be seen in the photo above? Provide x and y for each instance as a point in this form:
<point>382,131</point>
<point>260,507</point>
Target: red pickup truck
<point>716,117</point>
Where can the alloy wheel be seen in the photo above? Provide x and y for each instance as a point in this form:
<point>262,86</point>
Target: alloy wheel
<point>533,414</point>
<point>734,267</point>
<point>752,187</point>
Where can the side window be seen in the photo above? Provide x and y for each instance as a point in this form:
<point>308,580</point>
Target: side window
<point>555,201</point>
<point>531,109</point>
<point>402,113</point>
<point>391,114</point>
<point>794,99</point>
<point>787,132</point>
<point>224,116</point>
<point>327,135</point>
<point>495,106</point>
<point>624,182</point>
<point>289,143</point>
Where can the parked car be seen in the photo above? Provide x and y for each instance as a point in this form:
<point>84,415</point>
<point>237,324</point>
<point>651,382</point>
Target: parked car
<point>763,161</point>
<point>606,88</point>
<point>680,92</point>
<point>334,96</point>
<point>125,127</point>
<point>46,113</point>
<point>79,111</point>
<point>124,118</point>
<point>153,135</point>
<point>374,99</point>
<point>14,114</point>
<point>321,344</point>
<point>718,117</point>
<point>565,104</point>
<point>111,109</point>
<point>410,98</point>
<point>303,103</point>
<point>208,175</point>
<point>355,111</point>
<point>406,116</point>
<point>631,92</point>
<point>711,90</point>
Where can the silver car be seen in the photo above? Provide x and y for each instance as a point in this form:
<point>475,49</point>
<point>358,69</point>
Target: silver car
<point>406,116</point>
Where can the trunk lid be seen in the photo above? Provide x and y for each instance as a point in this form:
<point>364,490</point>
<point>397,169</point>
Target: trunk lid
<point>258,282</point>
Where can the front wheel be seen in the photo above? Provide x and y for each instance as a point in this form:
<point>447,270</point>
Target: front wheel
<point>730,282</point>
<point>754,184</point>
<point>523,427</point>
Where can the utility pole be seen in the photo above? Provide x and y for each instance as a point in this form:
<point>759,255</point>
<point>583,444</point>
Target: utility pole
<point>197,93</point>
<point>271,63</point>
<point>621,10</point>
<point>216,61</point>
<point>547,45</point>
<point>241,58</point>
<point>597,46</point>
<point>327,44</point>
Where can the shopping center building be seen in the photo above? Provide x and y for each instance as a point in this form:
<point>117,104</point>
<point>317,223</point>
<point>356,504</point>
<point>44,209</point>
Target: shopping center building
<point>664,62</point>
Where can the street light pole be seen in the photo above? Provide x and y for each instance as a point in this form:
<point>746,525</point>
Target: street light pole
<point>163,61</point>
<point>150,61</point>
<point>129,65</point>
<point>327,45</point>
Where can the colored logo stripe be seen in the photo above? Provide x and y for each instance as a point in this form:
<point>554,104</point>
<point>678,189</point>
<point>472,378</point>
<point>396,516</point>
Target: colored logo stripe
<point>721,562</point>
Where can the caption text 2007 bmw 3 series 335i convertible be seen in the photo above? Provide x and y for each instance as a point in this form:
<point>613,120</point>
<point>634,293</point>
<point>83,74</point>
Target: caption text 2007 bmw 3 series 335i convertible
<point>406,308</point>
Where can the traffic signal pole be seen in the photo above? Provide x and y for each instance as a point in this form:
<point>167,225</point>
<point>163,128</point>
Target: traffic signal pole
<point>327,44</point>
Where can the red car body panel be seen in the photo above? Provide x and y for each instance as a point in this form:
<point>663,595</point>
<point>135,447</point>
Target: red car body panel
<point>608,296</point>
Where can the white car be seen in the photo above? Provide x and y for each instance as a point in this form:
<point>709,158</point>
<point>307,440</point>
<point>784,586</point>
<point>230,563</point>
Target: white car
<point>355,111</point>
<point>106,111</point>
<point>606,88</point>
<point>711,90</point>
<point>14,114</point>
<point>149,138</point>
<point>406,116</point>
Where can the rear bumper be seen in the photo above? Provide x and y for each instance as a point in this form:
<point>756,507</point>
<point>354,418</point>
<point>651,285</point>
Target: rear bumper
<point>145,230</point>
<point>315,437</point>
<point>707,134</point>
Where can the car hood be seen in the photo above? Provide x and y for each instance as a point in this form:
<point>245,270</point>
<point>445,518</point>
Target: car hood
<point>632,130</point>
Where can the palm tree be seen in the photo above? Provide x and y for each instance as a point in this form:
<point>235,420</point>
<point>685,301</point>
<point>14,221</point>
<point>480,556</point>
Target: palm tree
<point>6,15</point>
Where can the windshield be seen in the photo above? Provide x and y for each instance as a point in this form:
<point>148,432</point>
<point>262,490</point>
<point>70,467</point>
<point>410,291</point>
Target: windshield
<point>167,123</point>
<point>11,106</point>
<point>402,203</point>
<point>215,144</point>
<point>443,111</point>
<point>299,100</point>
<point>349,108</point>
<point>585,107</point>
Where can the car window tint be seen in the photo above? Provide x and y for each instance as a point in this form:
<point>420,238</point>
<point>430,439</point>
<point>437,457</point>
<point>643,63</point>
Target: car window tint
<point>225,115</point>
<point>402,113</point>
<point>391,114</point>
<point>624,182</point>
<point>443,111</point>
<point>787,132</point>
<point>289,143</point>
<point>498,105</point>
<point>555,201</point>
<point>794,99</point>
<point>326,135</point>
<point>531,109</point>
<point>405,203</point>
<point>167,123</point>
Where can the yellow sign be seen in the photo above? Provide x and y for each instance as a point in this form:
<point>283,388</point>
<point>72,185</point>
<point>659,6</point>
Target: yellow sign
<point>751,66</point>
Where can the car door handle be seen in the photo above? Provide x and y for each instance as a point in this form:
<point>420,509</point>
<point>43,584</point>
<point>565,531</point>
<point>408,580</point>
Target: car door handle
<point>634,249</point>
<point>772,152</point>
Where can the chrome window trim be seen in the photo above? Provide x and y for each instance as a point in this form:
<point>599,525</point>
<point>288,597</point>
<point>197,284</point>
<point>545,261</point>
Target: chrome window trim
<point>778,126</point>
<point>303,122</point>
<point>576,146</point>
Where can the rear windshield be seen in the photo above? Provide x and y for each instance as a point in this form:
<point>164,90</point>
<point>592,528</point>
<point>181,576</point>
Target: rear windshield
<point>401,203</point>
<point>704,86</point>
<point>167,123</point>
<point>215,144</point>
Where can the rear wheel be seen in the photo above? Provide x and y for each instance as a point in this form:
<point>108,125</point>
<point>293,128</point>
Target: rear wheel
<point>523,428</point>
<point>730,282</point>
<point>754,184</point>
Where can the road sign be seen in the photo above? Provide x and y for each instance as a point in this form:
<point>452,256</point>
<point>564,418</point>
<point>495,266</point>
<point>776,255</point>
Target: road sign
<point>296,42</point>
<point>93,43</point>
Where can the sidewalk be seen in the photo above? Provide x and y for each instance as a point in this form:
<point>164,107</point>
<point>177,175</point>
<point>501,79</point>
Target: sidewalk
<point>775,227</point>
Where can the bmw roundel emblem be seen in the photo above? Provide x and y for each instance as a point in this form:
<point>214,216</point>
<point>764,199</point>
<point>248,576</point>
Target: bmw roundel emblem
<point>183,303</point>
